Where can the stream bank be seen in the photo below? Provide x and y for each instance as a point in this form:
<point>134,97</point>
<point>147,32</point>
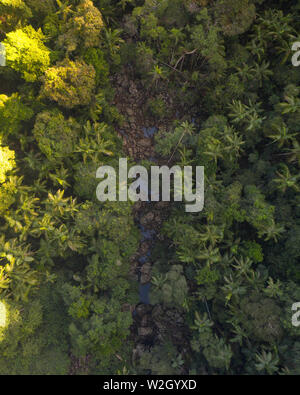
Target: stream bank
<point>151,323</point>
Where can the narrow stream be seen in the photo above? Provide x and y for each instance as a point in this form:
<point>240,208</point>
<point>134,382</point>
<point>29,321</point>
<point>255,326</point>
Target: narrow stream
<point>144,289</point>
<point>147,235</point>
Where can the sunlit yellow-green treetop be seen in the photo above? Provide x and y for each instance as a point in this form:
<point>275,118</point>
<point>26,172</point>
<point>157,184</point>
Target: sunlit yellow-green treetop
<point>7,162</point>
<point>69,83</point>
<point>39,7</point>
<point>12,113</point>
<point>12,11</point>
<point>7,186</point>
<point>83,28</point>
<point>2,314</point>
<point>26,52</point>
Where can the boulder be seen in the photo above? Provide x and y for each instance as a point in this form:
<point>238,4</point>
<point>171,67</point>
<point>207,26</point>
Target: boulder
<point>145,273</point>
<point>142,309</point>
<point>145,143</point>
<point>145,331</point>
<point>144,247</point>
<point>147,218</point>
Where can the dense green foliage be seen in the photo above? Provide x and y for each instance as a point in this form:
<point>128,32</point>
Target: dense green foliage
<point>232,270</point>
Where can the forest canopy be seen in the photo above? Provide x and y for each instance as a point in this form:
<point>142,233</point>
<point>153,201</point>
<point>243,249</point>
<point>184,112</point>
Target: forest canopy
<point>89,287</point>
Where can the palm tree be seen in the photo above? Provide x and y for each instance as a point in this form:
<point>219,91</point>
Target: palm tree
<point>201,324</point>
<point>271,231</point>
<point>286,180</point>
<point>211,234</point>
<point>93,144</point>
<point>214,148</point>
<point>157,74</point>
<point>44,225</point>
<point>266,362</point>
<point>240,334</point>
<point>24,279</point>
<point>281,135</point>
<point>4,279</point>
<point>256,48</point>
<point>60,177</point>
<point>177,362</point>
<point>58,205</point>
<point>274,288</point>
<point>176,35</point>
<point>261,72</point>
<point>244,72</point>
<point>234,142</point>
<point>17,278</point>
<point>123,3</point>
<point>124,372</point>
<point>113,40</point>
<point>185,157</point>
<point>294,153</point>
<point>232,287</point>
<point>159,280</point>
<point>254,121</point>
<point>292,105</point>
<point>284,47</point>
<point>239,111</point>
<point>243,266</point>
<point>187,129</point>
<point>277,25</point>
<point>259,36</point>
<point>65,8</point>
<point>210,255</point>
<point>248,114</point>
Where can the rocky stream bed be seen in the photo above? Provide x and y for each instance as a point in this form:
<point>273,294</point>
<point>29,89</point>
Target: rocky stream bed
<point>151,322</point>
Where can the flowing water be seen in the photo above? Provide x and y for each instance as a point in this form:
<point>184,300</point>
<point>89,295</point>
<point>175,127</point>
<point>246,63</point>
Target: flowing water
<point>147,234</point>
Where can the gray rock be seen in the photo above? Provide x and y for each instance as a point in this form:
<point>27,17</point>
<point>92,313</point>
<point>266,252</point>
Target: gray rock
<point>144,248</point>
<point>145,273</point>
<point>141,310</point>
<point>147,218</point>
<point>145,331</point>
<point>145,143</point>
<point>146,321</point>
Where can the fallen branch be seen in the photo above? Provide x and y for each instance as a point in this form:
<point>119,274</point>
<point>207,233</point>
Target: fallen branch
<point>183,56</point>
